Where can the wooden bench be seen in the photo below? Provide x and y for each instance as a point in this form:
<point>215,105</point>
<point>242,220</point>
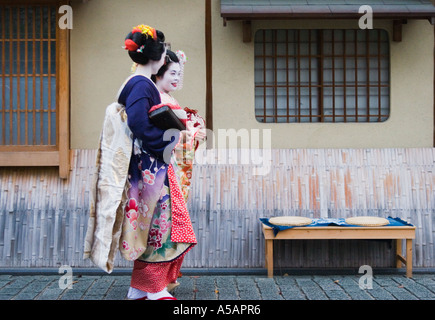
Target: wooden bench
<point>398,233</point>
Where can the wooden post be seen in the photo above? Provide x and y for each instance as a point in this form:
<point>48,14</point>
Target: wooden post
<point>208,68</point>
<point>269,258</point>
<point>409,258</point>
<point>397,30</point>
<point>247,31</point>
<point>63,100</point>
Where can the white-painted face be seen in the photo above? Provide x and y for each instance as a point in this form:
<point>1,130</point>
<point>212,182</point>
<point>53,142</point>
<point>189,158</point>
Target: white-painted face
<point>171,78</point>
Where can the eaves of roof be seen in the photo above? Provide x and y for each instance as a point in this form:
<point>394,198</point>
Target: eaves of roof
<point>339,9</point>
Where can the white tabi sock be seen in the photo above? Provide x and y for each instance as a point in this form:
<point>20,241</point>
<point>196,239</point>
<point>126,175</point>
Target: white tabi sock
<point>134,294</point>
<point>158,295</point>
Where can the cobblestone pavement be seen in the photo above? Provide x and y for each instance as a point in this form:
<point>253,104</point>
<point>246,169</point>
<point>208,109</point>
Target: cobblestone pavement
<point>224,287</point>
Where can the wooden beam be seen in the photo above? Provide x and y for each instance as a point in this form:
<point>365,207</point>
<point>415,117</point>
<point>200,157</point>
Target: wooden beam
<point>397,30</point>
<point>247,14</point>
<point>247,31</point>
<point>63,100</point>
<point>208,67</point>
<point>28,159</point>
<point>401,259</point>
<point>27,2</point>
<point>337,232</point>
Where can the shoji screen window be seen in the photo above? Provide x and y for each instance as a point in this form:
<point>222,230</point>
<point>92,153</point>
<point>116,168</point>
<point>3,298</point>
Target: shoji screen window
<point>33,69</point>
<point>322,76</point>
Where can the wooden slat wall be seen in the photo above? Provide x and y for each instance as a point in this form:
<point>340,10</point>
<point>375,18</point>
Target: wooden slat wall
<point>43,218</point>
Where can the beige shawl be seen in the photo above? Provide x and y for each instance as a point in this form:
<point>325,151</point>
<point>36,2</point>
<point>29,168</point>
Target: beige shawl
<point>107,195</point>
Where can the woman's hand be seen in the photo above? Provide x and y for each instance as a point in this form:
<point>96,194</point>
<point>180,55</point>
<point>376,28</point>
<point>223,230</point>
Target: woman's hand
<point>201,134</point>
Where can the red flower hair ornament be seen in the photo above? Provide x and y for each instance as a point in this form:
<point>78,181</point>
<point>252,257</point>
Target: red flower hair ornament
<point>148,31</point>
<point>130,45</point>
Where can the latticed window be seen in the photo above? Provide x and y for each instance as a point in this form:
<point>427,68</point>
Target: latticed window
<point>34,86</point>
<point>28,76</point>
<point>322,76</point>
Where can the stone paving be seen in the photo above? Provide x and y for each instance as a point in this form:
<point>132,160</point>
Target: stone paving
<point>224,287</point>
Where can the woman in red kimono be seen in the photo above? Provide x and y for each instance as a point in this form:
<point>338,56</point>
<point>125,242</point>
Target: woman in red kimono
<point>168,79</point>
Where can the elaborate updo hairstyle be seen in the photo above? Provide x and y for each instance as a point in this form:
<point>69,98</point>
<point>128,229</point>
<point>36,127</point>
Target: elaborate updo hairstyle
<point>145,43</point>
<point>170,57</point>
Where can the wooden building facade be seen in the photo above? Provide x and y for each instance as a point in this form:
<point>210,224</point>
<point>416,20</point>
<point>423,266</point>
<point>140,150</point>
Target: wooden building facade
<point>318,166</point>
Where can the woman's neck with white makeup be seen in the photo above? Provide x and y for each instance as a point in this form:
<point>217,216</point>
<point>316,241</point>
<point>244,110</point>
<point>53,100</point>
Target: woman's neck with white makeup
<point>161,89</point>
<point>144,70</point>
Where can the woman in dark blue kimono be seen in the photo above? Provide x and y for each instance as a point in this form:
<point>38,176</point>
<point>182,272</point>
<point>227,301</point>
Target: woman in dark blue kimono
<point>156,231</point>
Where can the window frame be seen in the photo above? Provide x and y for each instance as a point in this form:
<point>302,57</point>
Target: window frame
<point>57,155</point>
<point>266,64</point>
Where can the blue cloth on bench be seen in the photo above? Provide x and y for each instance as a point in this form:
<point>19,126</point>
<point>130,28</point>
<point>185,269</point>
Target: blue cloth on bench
<point>393,222</point>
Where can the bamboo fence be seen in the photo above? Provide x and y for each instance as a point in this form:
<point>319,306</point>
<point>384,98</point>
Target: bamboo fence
<point>43,219</point>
